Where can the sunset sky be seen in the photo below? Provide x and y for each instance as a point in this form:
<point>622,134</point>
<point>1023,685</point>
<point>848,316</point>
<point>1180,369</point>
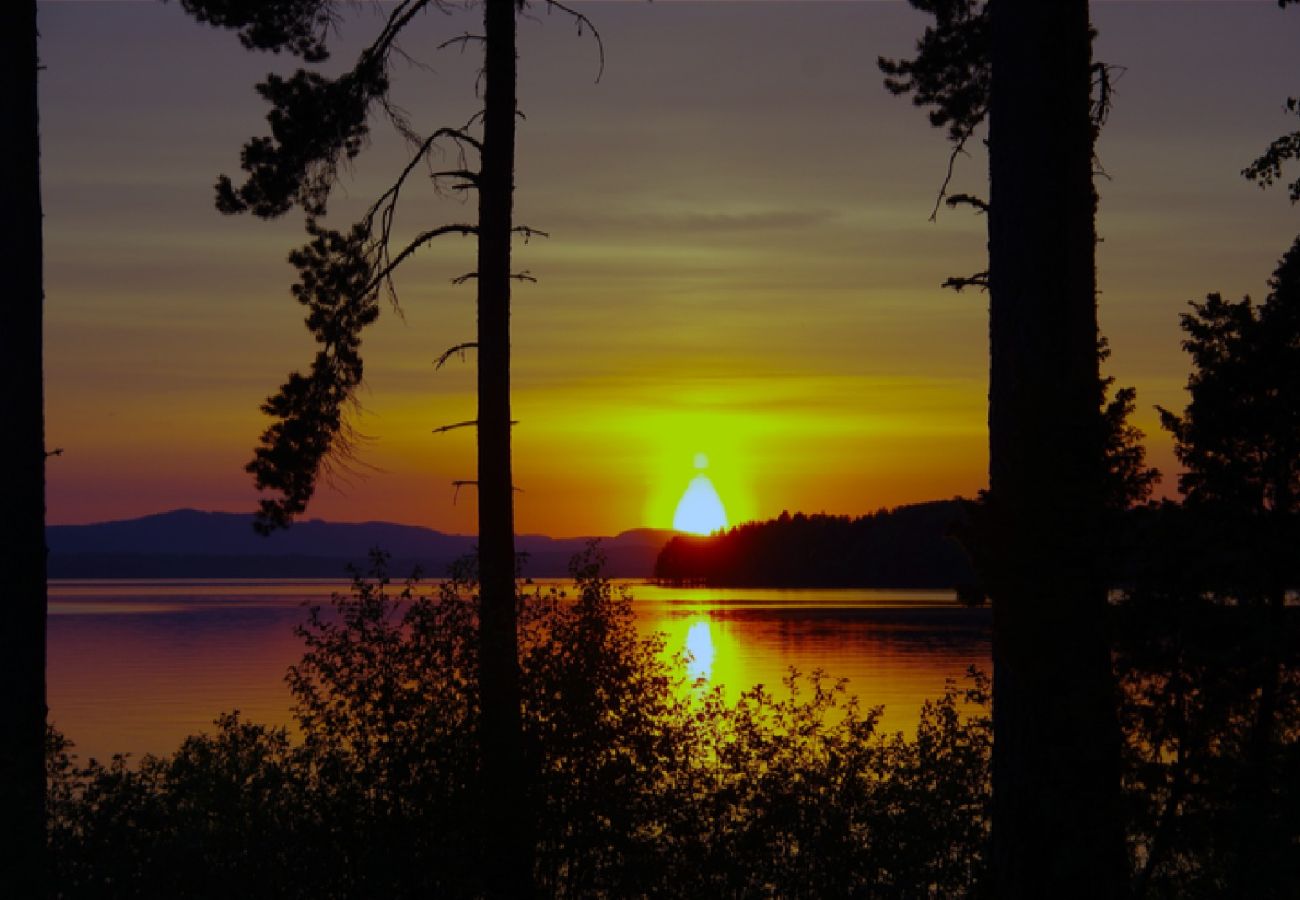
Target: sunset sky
<point>740,262</point>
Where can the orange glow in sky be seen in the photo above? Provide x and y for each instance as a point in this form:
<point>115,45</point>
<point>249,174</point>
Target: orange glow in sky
<point>740,261</point>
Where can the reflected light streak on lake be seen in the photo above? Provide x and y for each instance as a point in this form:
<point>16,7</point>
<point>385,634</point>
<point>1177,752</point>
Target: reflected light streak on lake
<point>136,666</point>
<point>698,646</point>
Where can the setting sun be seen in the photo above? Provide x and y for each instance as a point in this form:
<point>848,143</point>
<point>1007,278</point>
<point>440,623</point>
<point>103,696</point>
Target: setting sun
<point>700,511</point>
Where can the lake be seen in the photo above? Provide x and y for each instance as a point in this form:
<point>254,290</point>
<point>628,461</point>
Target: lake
<point>134,666</point>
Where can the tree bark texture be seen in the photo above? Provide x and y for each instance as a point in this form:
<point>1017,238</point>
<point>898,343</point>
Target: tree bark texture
<point>22,487</point>
<point>509,860</point>
<point>1056,817</point>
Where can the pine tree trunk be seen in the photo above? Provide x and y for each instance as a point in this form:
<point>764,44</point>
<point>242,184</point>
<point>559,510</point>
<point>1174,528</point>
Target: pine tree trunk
<point>508,863</point>
<point>22,487</point>
<point>1057,830</point>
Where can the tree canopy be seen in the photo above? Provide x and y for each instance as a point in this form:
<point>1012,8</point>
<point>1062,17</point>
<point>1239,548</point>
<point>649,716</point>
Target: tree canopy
<point>1239,436</point>
<point>317,124</point>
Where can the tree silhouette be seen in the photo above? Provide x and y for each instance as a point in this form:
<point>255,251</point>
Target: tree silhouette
<point>910,546</point>
<point>1239,439</point>
<point>1128,480</point>
<point>1208,648</point>
<point>1037,535</point>
<point>22,490</point>
<point>1055,766</point>
<point>317,125</point>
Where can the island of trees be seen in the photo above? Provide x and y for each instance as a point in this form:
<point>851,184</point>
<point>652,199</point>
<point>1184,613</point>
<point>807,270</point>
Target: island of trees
<point>907,547</point>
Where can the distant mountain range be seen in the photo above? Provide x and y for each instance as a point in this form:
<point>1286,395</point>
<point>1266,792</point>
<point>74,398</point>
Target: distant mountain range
<point>191,543</point>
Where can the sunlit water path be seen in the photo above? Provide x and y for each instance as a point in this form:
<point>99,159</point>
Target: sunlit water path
<point>135,666</point>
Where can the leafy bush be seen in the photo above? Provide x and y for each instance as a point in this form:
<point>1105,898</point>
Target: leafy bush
<point>642,783</point>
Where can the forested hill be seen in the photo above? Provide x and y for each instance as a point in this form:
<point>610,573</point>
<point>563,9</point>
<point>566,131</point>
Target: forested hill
<point>191,543</point>
<point>908,546</point>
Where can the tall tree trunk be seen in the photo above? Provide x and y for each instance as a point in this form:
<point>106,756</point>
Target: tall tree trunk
<point>22,487</point>
<point>509,864</point>
<point>1056,819</point>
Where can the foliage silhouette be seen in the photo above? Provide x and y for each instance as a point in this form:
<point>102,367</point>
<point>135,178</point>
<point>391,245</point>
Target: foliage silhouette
<point>642,783</point>
<point>1239,437</point>
<point>950,74</point>
<point>1267,167</point>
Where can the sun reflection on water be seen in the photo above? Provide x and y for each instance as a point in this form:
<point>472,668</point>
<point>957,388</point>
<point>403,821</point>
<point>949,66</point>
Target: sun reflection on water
<point>137,666</point>
<point>699,646</point>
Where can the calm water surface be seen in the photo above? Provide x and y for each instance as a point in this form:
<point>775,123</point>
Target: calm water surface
<point>134,666</point>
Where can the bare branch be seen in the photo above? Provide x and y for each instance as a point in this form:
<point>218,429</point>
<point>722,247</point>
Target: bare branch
<point>410,60</point>
<point>458,485</point>
<point>464,174</point>
<point>525,275</point>
<point>1104,76</point>
<point>419,241</point>
<point>959,149</point>
<point>401,120</point>
<point>389,197</point>
<point>583,22</point>
<point>463,40</point>
<point>530,232</point>
<point>466,424</point>
<point>980,205</point>
<point>402,14</point>
<point>449,353</point>
<point>57,451</point>
<point>979,280</point>
<point>462,135</point>
<point>463,483</point>
<point>386,206</point>
<point>442,429</point>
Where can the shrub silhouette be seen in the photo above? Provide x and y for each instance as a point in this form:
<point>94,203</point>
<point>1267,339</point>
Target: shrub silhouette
<point>641,782</point>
